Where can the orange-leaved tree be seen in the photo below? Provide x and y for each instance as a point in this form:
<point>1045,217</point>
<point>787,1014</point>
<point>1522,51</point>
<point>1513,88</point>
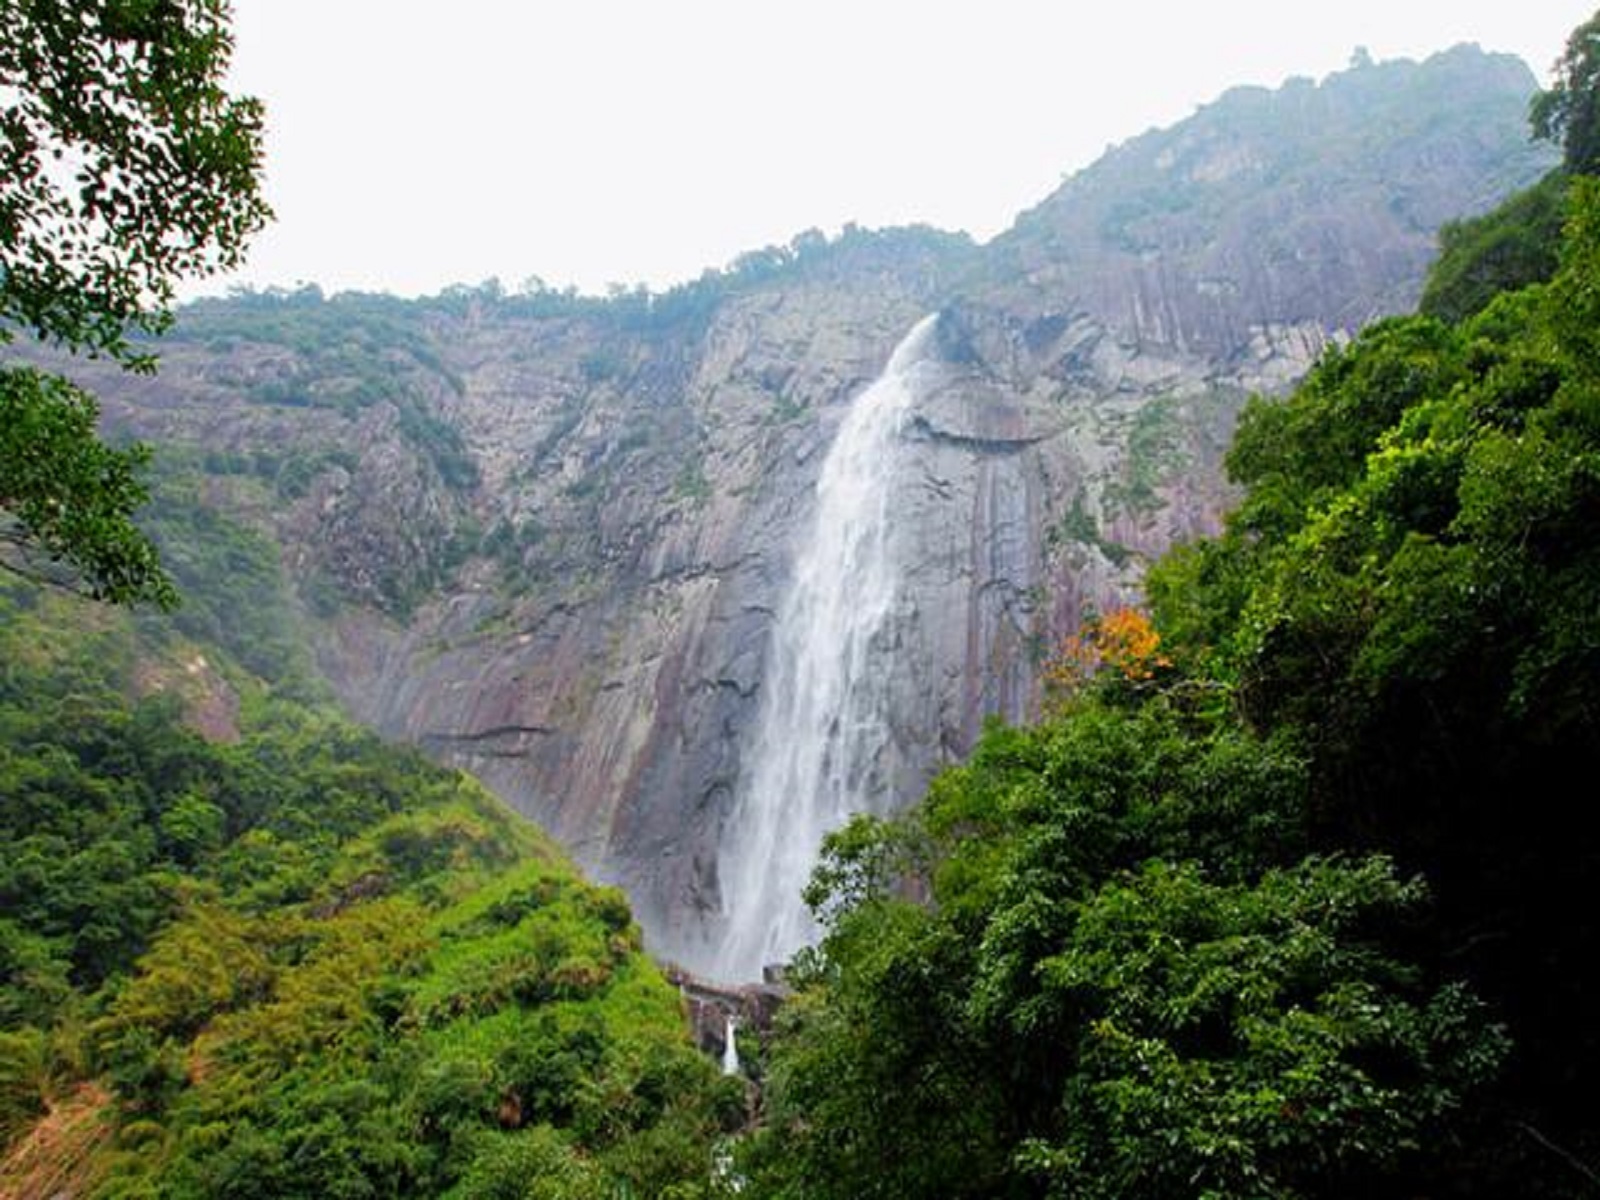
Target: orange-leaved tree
<point>1120,642</point>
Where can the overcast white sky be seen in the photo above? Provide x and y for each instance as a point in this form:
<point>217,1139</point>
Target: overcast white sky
<point>413,145</point>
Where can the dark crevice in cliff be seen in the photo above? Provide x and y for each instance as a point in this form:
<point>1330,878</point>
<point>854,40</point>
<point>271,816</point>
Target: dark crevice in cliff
<point>744,691</point>
<point>921,427</point>
<point>474,742</point>
<point>700,570</point>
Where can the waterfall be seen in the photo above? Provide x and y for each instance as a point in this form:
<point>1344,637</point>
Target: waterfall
<point>822,748</point>
<point>730,1048</point>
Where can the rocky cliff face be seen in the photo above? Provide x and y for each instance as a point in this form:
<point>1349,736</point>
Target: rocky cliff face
<point>545,537</point>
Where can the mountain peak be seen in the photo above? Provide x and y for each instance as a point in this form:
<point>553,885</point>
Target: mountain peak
<point>1223,200</point>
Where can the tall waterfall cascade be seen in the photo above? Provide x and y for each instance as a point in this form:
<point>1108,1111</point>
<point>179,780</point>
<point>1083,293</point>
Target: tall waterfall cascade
<point>821,749</point>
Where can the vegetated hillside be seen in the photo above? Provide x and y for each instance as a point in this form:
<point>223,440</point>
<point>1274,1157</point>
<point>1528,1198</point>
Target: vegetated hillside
<point>1284,897</point>
<point>1290,892</point>
<point>246,949</point>
<point>544,536</point>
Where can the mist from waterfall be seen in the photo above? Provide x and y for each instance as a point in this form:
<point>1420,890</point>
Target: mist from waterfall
<point>822,749</point>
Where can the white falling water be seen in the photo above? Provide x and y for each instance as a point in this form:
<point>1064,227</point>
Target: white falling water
<point>730,1048</point>
<point>822,734</point>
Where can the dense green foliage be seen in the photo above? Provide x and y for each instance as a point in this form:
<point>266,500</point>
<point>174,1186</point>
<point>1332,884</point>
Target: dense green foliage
<point>1301,904</point>
<point>234,594</point>
<point>165,164</point>
<point>303,962</point>
<point>1509,248</point>
<point>125,166</point>
<point>66,498</point>
<point>1569,113</point>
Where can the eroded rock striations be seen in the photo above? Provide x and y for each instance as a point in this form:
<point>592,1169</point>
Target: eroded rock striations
<point>545,536</point>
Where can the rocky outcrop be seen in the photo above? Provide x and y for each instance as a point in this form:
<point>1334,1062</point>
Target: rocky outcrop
<point>709,1006</point>
<point>545,537</point>
<point>1272,215</point>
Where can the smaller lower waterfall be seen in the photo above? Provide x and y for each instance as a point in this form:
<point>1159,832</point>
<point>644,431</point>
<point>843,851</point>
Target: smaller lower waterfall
<point>730,1047</point>
<point>822,749</point>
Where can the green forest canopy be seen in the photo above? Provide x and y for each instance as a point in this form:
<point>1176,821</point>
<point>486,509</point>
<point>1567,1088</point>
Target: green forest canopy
<point>164,184</point>
<point>1301,902</point>
<point>298,962</point>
